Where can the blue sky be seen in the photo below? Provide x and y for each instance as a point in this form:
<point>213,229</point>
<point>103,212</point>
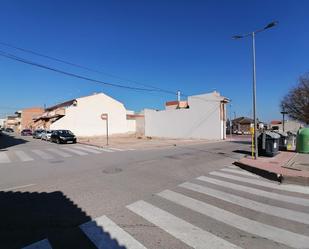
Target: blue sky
<point>173,44</point>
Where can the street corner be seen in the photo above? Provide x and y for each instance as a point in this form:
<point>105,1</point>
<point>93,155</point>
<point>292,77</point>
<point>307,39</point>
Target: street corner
<point>285,167</point>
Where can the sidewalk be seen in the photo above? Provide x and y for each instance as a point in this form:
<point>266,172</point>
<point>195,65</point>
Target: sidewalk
<point>287,167</point>
<point>134,142</point>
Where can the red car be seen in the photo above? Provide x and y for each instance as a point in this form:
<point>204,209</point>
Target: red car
<point>26,132</point>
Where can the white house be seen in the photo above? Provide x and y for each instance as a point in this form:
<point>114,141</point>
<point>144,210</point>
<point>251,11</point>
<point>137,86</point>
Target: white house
<point>2,121</point>
<point>200,117</point>
<point>83,116</point>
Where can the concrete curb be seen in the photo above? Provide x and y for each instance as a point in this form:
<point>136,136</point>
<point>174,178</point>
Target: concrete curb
<point>261,172</point>
<point>274,176</point>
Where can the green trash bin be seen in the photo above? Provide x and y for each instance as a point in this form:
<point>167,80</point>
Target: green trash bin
<point>302,141</point>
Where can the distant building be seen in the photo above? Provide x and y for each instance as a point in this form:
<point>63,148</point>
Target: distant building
<point>289,125</point>
<point>200,117</point>
<point>242,125</point>
<point>27,115</point>
<point>13,122</point>
<point>83,116</point>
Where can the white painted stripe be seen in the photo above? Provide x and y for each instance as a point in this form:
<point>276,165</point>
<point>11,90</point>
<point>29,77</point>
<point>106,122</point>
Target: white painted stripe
<point>59,152</point>
<point>255,191</point>
<point>131,149</point>
<point>106,150</point>
<point>104,233</point>
<point>23,156</point>
<point>87,149</point>
<point>182,230</point>
<point>43,154</point>
<point>78,152</point>
<point>98,148</point>
<point>240,172</point>
<point>263,230</point>
<point>234,167</point>
<point>17,187</point>
<point>4,157</point>
<point>42,244</point>
<point>116,149</point>
<point>291,188</point>
<point>247,203</point>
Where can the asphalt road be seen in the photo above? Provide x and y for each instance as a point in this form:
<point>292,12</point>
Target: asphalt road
<point>74,196</point>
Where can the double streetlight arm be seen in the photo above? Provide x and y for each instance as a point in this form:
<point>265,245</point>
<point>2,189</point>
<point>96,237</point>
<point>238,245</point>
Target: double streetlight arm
<point>268,26</point>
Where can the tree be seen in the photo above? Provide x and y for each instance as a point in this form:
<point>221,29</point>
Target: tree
<point>296,102</point>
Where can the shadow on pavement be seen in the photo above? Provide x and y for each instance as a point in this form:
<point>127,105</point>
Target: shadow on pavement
<point>245,152</point>
<point>26,218</point>
<point>9,141</point>
<point>240,141</point>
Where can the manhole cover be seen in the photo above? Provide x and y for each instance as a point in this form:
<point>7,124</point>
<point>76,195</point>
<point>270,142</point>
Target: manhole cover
<point>112,171</point>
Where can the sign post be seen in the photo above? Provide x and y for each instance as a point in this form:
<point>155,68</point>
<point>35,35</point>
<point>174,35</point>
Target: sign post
<point>104,116</point>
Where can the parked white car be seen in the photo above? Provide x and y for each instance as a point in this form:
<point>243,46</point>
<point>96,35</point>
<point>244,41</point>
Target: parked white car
<point>46,135</point>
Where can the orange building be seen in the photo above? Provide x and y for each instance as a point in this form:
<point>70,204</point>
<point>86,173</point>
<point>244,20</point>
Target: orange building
<point>28,115</point>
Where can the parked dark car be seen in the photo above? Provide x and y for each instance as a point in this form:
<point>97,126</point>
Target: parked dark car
<point>9,130</point>
<point>62,136</point>
<point>26,132</point>
<point>37,133</point>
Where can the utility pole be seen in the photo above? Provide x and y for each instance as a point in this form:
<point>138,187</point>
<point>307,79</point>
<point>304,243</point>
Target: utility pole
<point>283,119</point>
<point>256,154</point>
<point>252,34</point>
<point>231,124</point>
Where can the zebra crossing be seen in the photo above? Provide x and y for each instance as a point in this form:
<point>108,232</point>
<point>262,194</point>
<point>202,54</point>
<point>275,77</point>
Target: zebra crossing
<point>50,153</point>
<point>291,207</point>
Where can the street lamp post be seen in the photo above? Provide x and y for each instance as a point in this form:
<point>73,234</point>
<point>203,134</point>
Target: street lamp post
<point>231,123</point>
<point>252,34</point>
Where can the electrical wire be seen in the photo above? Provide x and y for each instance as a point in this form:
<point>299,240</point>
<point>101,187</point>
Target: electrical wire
<point>20,59</point>
<point>83,67</point>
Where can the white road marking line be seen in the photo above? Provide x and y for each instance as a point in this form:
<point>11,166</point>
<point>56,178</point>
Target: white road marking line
<point>240,172</point>
<point>263,230</point>
<point>87,149</point>
<point>4,157</point>
<point>23,156</point>
<point>116,149</point>
<point>78,152</point>
<point>98,148</point>
<point>255,191</point>
<point>234,167</point>
<point>42,154</point>
<point>104,233</point>
<point>291,188</point>
<point>250,204</point>
<point>59,152</point>
<point>182,230</point>
<point>17,187</point>
<point>42,244</point>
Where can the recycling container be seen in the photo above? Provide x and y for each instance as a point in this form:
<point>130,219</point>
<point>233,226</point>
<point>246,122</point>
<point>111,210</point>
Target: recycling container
<point>282,140</point>
<point>291,141</point>
<point>302,140</point>
<point>268,143</point>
